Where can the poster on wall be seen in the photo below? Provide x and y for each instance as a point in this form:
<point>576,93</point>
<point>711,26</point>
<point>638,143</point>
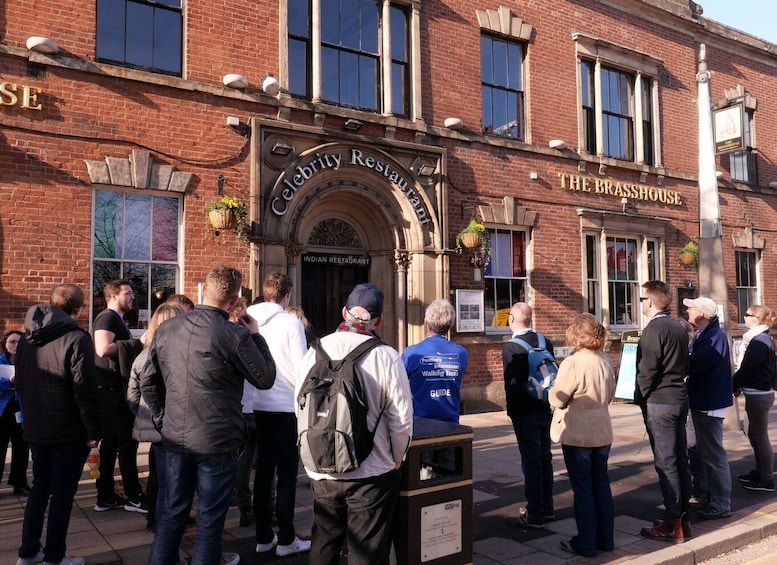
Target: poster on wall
<point>627,366</point>
<point>469,311</point>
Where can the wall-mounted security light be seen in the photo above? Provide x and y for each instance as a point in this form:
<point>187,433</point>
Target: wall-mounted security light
<point>557,144</point>
<point>241,128</point>
<point>643,177</point>
<point>281,148</point>
<point>352,125</point>
<point>453,123</point>
<point>426,169</point>
<point>533,175</point>
<point>773,184</point>
<point>233,80</point>
<point>270,85</point>
<point>602,169</point>
<point>42,45</point>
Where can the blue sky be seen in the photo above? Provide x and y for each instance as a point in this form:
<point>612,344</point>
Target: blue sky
<point>756,17</point>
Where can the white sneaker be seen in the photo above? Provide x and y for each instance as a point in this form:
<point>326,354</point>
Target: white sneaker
<point>230,558</point>
<point>31,560</point>
<point>297,546</point>
<point>262,547</point>
<point>67,561</point>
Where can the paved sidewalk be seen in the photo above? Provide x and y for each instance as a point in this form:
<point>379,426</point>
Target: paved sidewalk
<point>119,537</point>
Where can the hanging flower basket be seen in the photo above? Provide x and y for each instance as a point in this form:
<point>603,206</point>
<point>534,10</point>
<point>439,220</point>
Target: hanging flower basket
<point>470,240</point>
<point>228,213</point>
<point>222,219</point>
<point>689,255</point>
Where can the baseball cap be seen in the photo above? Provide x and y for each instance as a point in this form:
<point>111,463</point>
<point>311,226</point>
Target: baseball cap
<point>368,297</point>
<point>703,304</point>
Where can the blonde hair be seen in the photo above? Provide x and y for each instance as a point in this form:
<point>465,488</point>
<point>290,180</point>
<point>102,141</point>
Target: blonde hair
<point>585,332</point>
<point>299,313</point>
<point>165,311</point>
<point>222,283</point>
<point>763,314</point>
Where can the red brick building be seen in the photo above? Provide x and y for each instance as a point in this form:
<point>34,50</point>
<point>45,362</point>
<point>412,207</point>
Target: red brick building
<point>569,128</point>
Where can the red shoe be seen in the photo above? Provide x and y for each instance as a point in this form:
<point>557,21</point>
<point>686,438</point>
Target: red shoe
<point>662,531</point>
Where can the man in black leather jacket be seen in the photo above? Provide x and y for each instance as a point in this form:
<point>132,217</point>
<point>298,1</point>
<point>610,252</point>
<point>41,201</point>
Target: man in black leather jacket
<point>193,383</point>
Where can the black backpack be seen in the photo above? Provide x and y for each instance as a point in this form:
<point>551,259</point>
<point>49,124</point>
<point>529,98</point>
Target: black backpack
<point>333,435</point>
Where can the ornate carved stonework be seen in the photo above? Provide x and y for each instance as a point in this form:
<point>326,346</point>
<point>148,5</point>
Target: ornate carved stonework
<point>334,233</point>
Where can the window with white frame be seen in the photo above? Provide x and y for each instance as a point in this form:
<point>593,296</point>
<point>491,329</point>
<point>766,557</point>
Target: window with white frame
<point>746,280</point>
<point>136,237</point>
<point>506,275</point>
<point>617,262</point>
<point>501,69</point>
<point>145,34</point>
<point>355,54</point>
<point>618,93</point>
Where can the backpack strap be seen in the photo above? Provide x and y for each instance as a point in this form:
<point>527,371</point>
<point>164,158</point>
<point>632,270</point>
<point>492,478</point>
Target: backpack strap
<point>540,341</point>
<point>363,348</point>
<point>522,343</point>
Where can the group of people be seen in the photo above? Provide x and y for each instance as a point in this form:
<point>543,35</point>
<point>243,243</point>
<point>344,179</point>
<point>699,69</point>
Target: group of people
<point>204,377</point>
<point>681,368</point>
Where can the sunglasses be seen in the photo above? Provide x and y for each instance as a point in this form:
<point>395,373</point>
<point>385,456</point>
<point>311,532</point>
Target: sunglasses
<point>749,315</point>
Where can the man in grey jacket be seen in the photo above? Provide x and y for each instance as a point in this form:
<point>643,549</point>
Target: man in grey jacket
<point>193,383</point>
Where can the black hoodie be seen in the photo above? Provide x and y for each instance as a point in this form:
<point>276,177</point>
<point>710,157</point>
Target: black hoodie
<point>56,379</point>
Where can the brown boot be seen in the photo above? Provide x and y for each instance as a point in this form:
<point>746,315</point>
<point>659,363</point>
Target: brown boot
<point>663,531</point>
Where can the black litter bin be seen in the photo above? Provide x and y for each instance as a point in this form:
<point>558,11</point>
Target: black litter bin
<point>434,514</point>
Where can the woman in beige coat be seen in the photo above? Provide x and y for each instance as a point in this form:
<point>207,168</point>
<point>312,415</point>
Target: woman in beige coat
<point>584,388</point>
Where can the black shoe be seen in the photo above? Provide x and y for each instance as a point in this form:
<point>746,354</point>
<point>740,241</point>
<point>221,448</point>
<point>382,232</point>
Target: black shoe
<point>759,484</point>
<point>711,513</point>
<point>246,518</point>
<point>567,546</point>
<point>137,504</point>
<point>753,475</point>
<point>522,521</point>
<point>21,491</point>
<point>113,503</point>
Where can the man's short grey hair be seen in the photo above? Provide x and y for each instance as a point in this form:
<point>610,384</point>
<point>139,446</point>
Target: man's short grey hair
<point>353,318</point>
<point>440,316</point>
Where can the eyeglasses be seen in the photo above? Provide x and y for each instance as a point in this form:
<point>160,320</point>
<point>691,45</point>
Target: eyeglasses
<point>643,298</point>
<point>749,315</point>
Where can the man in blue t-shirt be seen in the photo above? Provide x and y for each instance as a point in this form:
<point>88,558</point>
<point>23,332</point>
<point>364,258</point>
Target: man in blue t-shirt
<point>436,366</point>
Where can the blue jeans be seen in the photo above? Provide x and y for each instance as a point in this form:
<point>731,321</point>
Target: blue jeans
<point>709,439</point>
<point>533,434</point>
<point>160,459</point>
<point>56,470</point>
<point>666,430</point>
<point>213,478</point>
<point>594,510</point>
<point>276,451</point>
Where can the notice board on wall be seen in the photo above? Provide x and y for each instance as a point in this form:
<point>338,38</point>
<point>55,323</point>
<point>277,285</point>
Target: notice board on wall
<point>627,365</point>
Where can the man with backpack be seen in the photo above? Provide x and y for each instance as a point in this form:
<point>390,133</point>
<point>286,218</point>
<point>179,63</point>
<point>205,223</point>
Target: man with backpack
<point>355,488</point>
<point>526,384</point>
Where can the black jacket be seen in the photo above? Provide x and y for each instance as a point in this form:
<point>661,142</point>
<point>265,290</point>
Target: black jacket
<point>662,363</point>
<point>757,369</point>
<point>193,380</point>
<point>56,379</point>
<point>515,360</point>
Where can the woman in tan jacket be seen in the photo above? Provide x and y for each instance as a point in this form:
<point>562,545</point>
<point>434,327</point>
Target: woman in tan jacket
<point>584,387</point>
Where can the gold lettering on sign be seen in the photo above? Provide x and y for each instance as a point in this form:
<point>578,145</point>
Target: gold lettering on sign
<point>29,95</point>
<point>579,183</point>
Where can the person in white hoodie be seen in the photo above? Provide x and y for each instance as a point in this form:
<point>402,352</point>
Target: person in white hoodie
<point>276,423</point>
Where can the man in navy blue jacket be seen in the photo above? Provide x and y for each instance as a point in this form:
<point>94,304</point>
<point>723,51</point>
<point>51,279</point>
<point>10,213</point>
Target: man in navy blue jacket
<point>709,397</point>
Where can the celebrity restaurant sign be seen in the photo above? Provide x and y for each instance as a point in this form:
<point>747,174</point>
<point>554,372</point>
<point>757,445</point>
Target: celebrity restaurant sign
<point>578,183</point>
<point>294,179</point>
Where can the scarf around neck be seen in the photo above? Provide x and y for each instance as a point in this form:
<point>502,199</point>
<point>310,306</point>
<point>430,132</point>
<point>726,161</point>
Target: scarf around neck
<point>746,339</point>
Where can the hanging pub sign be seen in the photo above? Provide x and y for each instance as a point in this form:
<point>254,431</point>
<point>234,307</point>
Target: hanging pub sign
<point>728,126</point>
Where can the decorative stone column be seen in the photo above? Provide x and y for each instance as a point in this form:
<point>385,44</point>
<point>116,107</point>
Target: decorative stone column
<point>401,261</point>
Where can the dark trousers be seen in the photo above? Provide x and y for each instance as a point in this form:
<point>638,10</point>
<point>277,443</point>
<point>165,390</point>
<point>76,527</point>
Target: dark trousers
<point>666,430</point>
<point>358,512</point>
<point>594,510</point>
<point>11,430</point>
<point>117,440</point>
<point>276,451</point>
<point>243,482</point>
<point>56,470</point>
<point>533,434</point>
<point>757,407</point>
